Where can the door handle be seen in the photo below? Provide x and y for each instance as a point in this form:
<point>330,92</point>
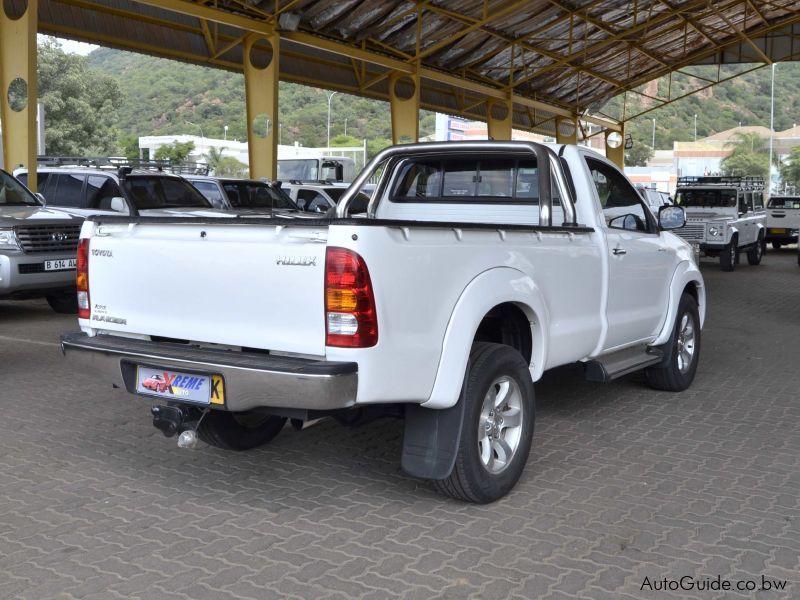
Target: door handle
<point>619,251</point>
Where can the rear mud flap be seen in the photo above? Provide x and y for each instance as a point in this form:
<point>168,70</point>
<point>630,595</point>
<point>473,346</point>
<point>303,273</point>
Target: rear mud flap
<point>430,440</point>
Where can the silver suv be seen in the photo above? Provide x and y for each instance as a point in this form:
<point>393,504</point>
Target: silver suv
<point>38,248</point>
<point>725,216</point>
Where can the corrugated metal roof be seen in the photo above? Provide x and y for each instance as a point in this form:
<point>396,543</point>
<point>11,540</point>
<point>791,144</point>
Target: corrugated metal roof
<point>570,54</point>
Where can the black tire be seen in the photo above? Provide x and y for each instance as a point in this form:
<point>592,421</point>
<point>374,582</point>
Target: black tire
<point>239,431</point>
<point>470,480</point>
<point>65,303</point>
<point>756,253</point>
<point>776,245</point>
<point>729,255</point>
<point>672,378</point>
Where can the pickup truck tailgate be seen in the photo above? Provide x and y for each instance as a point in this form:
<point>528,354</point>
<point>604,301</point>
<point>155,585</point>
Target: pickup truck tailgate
<point>251,285</point>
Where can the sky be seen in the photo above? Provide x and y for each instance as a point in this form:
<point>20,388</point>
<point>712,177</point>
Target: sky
<point>75,47</point>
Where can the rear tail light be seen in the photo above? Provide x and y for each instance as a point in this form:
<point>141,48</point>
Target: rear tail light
<point>82,279</point>
<point>350,317</point>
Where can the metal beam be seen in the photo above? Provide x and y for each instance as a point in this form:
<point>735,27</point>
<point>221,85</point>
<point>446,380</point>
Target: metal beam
<point>261,98</point>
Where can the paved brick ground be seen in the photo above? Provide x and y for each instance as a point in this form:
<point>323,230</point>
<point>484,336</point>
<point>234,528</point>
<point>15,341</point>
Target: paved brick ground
<point>623,483</point>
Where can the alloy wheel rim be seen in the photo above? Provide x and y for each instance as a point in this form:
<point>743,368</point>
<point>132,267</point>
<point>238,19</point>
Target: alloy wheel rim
<point>686,343</point>
<point>500,425</point>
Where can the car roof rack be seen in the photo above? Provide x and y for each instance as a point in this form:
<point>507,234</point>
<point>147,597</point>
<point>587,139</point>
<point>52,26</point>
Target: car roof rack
<point>751,183</point>
<point>113,163</point>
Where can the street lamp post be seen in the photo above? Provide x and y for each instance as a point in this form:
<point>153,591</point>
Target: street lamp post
<point>695,128</point>
<point>225,128</point>
<point>771,128</point>
<point>330,97</point>
<point>654,136</point>
<point>280,133</point>
<point>198,126</point>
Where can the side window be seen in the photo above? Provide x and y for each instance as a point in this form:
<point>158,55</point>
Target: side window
<point>312,201</point>
<point>527,187</point>
<point>742,203</point>
<point>758,200</point>
<point>496,179</point>
<point>750,201</point>
<point>99,192</point>
<point>211,192</point>
<point>68,191</point>
<point>621,203</point>
<point>420,180</point>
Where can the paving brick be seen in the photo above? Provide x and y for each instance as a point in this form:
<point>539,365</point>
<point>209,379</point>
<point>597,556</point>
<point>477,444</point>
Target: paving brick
<point>622,483</point>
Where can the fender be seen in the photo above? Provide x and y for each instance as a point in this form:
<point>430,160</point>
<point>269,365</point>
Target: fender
<point>686,272</point>
<point>734,232</point>
<point>482,294</point>
<point>761,229</point>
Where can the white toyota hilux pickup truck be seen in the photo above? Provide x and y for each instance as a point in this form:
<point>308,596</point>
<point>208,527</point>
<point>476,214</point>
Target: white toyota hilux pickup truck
<point>477,267</point>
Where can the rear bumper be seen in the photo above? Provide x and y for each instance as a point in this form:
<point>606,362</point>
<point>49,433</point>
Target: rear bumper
<point>252,380</point>
<point>785,235</point>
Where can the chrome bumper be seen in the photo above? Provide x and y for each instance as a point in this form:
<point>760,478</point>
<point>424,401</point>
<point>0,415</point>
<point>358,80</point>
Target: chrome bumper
<point>252,380</point>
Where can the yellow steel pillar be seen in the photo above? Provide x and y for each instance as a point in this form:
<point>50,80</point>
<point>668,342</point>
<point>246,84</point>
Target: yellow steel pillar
<point>18,85</point>
<point>404,99</point>
<point>499,116</point>
<point>566,130</point>
<point>615,146</point>
<point>261,59</point>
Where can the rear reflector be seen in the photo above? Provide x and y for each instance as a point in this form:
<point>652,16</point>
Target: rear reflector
<point>82,279</point>
<point>350,317</point>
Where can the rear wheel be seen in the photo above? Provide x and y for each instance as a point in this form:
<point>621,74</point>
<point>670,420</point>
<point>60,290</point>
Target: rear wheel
<point>756,253</point>
<point>239,431</point>
<point>679,372</point>
<point>65,303</point>
<point>729,255</point>
<point>497,429</point>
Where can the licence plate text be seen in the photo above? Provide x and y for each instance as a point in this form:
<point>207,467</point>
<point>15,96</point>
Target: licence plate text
<point>59,265</point>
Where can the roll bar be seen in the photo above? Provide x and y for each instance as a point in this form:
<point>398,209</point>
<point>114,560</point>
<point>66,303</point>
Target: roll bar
<point>544,156</point>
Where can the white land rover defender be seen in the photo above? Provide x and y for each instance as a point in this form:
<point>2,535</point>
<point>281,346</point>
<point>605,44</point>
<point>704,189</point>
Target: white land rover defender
<point>725,216</point>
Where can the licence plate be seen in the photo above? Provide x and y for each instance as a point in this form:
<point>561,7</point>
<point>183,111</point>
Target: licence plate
<point>59,265</point>
<point>777,230</point>
<point>180,387</point>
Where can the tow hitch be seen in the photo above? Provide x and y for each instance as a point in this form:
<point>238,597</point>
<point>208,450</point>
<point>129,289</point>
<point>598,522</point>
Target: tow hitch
<point>181,420</point>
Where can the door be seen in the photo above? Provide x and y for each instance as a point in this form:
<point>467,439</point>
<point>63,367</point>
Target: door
<point>641,263</point>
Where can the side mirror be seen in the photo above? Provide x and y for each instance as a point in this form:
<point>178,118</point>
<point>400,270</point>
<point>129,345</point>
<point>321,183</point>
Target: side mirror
<point>41,198</point>
<point>119,205</point>
<point>671,217</point>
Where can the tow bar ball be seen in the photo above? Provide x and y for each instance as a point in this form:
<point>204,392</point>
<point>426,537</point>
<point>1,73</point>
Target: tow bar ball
<point>177,420</point>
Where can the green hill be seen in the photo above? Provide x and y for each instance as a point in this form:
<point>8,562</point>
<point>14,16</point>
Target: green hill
<point>160,96</point>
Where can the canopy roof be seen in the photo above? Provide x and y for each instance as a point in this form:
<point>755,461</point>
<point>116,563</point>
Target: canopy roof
<point>553,58</point>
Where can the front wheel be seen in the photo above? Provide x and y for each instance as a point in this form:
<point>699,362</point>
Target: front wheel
<point>678,373</point>
<point>497,427</point>
<point>729,255</point>
<point>756,253</point>
<point>65,303</point>
<point>239,431</point>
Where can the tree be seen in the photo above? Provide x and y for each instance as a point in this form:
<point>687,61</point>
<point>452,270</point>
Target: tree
<point>213,158</point>
<point>749,156</point>
<point>175,153</point>
<point>791,170</point>
<point>228,166</point>
<point>80,104</point>
<point>638,155</point>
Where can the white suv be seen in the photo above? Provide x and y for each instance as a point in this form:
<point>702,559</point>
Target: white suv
<point>725,216</point>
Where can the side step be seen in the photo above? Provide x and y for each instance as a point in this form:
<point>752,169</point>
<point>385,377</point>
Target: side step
<point>611,366</point>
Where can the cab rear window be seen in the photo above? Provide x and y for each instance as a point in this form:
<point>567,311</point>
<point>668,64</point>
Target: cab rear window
<point>480,181</point>
<point>786,203</point>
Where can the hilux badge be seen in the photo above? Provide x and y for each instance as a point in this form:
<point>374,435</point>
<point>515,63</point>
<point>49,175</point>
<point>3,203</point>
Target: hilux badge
<point>297,261</point>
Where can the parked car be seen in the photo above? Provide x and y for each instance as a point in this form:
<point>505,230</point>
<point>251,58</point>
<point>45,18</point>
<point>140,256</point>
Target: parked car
<point>37,248</point>
<point>783,220</point>
<point>87,191</point>
<point>319,197</point>
<point>480,266</point>
<point>242,195</point>
<point>654,199</point>
<point>725,216</point>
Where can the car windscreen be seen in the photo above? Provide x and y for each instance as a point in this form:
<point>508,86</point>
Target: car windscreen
<point>13,193</point>
<point>706,198</point>
<point>256,194</point>
<point>150,191</point>
<point>784,202</point>
<point>299,169</point>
